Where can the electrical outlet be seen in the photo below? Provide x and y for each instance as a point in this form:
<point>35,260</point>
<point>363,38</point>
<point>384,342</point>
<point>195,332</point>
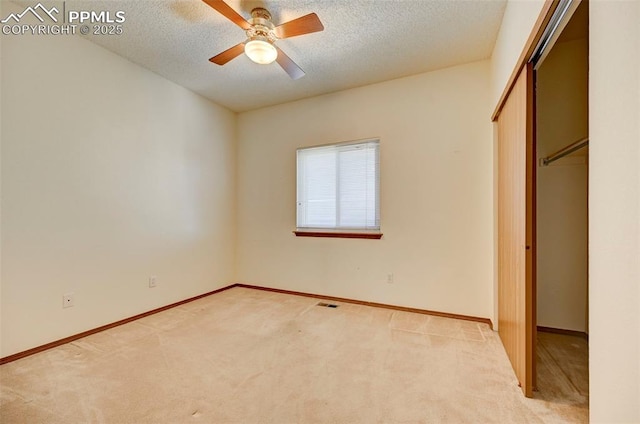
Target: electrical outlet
<point>390,278</point>
<point>152,281</point>
<point>67,300</point>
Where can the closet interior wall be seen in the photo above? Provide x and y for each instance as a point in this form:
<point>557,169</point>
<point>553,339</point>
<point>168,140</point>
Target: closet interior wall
<point>562,186</point>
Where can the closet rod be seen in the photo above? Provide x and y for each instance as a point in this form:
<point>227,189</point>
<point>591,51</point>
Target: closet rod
<point>565,151</point>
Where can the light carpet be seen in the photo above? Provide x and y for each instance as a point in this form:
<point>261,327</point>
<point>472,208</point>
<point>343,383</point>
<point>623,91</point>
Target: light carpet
<point>249,356</point>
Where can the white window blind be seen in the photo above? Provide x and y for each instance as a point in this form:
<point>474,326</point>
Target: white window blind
<point>339,186</point>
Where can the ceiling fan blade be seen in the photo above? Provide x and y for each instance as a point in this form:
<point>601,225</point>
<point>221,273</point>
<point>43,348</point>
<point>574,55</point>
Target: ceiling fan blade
<point>227,55</point>
<point>229,13</point>
<point>289,65</point>
<point>303,25</point>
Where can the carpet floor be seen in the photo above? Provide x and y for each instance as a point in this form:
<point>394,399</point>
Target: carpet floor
<point>250,356</point>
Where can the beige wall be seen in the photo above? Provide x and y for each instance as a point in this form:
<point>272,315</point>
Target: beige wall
<point>1,61</point>
<point>436,184</point>
<point>110,174</point>
<point>517,22</point>
<point>562,225</point>
<point>614,211</point>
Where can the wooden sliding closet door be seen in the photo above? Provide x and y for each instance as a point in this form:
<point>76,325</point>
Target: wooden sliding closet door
<point>516,229</point>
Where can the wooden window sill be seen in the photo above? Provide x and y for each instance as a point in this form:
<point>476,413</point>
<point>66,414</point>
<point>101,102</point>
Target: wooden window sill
<point>336,234</point>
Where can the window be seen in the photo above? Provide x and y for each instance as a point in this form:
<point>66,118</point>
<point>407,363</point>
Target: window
<point>339,187</point>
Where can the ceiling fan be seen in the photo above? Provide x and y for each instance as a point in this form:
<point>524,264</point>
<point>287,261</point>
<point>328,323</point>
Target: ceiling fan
<point>262,35</point>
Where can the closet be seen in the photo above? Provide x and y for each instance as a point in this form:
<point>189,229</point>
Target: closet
<point>562,149</point>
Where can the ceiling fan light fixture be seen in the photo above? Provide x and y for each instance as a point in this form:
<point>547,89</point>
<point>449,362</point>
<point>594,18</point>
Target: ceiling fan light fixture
<point>262,35</point>
<point>260,51</point>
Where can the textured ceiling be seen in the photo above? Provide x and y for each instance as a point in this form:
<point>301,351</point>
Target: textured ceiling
<point>364,42</point>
